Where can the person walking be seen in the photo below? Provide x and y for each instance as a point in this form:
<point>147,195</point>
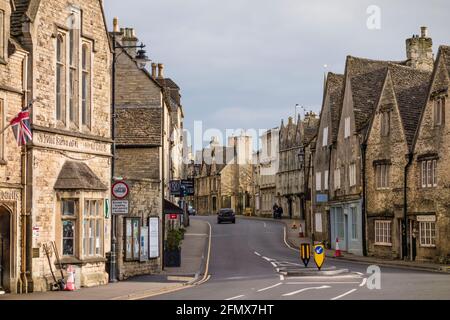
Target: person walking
<point>280,212</point>
<point>275,210</point>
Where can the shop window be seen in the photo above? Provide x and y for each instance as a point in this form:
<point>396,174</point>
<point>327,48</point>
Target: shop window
<point>132,234</point>
<point>427,234</point>
<point>69,220</point>
<point>383,233</point>
<point>92,228</point>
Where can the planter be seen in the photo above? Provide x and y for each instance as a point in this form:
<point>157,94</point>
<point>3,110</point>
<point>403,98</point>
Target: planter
<point>172,258</point>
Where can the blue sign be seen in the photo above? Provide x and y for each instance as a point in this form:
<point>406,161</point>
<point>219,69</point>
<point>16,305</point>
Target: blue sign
<point>321,198</point>
<point>318,249</point>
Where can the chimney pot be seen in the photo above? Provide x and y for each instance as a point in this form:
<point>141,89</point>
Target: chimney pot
<point>160,70</point>
<point>424,32</point>
<point>116,24</point>
<point>154,67</point>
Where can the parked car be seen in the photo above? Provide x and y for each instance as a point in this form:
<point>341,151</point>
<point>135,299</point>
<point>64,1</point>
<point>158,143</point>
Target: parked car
<point>226,215</point>
<point>191,211</point>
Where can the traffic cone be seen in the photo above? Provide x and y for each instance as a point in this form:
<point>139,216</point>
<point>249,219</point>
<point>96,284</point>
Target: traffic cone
<point>70,286</point>
<point>300,231</point>
<point>337,253</point>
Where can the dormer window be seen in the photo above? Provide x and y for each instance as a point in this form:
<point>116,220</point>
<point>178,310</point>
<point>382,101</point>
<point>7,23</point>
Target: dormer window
<point>438,111</point>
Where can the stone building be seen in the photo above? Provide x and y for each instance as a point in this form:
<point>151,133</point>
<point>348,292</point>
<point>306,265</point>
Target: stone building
<point>428,225</point>
<point>389,146</point>
<point>140,106</point>
<point>225,177</point>
<point>69,160</point>
<point>13,94</point>
<point>326,142</point>
<point>267,167</point>
<point>293,177</point>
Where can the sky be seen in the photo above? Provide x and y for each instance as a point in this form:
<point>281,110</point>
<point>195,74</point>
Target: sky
<point>247,63</point>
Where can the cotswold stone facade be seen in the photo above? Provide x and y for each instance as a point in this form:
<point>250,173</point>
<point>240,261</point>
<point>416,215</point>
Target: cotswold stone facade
<point>13,66</point>
<point>139,107</point>
<point>428,227</point>
<point>69,160</point>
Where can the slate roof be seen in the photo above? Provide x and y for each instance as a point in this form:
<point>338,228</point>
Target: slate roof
<point>445,51</point>
<point>167,82</point>
<point>310,127</point>
<point>78,176</point>
<point>335,90</point>
<point>411,91</point>
<point>366,79</point>
<point>18,15</point>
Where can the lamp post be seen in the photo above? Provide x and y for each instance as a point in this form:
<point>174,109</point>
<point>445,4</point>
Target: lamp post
<point>141,59</point>
<point>305,168</point>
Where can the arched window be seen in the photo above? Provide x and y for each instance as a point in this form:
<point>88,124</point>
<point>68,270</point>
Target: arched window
<point>60,78</point>
<point>86,86</point>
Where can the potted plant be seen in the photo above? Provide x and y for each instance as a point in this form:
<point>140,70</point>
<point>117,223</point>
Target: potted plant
<point>172,254</point>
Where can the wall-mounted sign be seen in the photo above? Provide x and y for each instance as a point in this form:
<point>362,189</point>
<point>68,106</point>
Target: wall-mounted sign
<point>429,218</point>
<point>321,197</point>
<point>175,187</point>
<point>153,237</point>
<point>120,207</point>
<point>188,187</point>
<point>173,216</point>
<point>120,190</point>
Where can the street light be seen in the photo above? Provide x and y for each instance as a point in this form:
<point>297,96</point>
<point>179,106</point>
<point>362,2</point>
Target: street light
<point>141,59</point>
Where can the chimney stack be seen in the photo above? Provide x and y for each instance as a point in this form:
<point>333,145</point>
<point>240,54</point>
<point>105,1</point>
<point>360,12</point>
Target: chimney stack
<point>115,25</point>
<point>154,66</point>
<point>129,39</point>
<point>419,51</point>
<point>160,71</point>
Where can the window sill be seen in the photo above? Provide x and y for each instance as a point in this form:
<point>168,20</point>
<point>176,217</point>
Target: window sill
<point>428,246</point>
<point>76,261</point>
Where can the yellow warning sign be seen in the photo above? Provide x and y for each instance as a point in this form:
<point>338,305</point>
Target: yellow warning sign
<point>319,255</point>
<point>305,253</point>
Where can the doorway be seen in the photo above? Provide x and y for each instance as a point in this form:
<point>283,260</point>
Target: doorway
<point>5,249</point>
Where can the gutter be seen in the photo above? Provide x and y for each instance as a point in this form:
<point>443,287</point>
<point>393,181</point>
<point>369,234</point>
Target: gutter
<point>405,207</point>
<point>364,198</point>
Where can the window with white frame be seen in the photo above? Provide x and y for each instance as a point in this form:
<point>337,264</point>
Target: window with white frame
<point>92,228</point>
<point>347,127</point>
<point>382,172</point>
<point>383,232</point>
<point>325,137</point>
<point>438,111</point>
<point>427,231</point>
<point>337,178</point>
<point>352,174</point>
<point>318,181</point>
<point>325,180</point>
<point>385,123</point>
<point>429,173</point>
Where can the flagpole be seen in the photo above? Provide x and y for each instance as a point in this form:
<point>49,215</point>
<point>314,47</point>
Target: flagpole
<point>4,129</point>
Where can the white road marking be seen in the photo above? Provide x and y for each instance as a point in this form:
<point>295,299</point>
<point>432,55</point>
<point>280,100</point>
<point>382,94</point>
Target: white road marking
<point>304,289</point>
<point>271,287</point>
<point>258,254</point>
<point>274,264</point>
<point>281,277</point>
<point>344,294</point>
<point>359,273</point>
<point>285,241</point>
<point>237,297</point>
<point>363,283</point>
<point>324,282</point>
<point>268,259</point>
<point>265,226</point>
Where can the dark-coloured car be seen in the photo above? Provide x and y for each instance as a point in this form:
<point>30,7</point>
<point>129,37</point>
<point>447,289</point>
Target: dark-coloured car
<point>226,215</point>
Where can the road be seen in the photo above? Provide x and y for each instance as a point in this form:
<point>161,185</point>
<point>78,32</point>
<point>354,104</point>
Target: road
<point>245,257</point>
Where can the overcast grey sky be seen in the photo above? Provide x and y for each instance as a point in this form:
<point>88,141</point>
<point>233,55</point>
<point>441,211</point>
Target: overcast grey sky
<point>246,63</point>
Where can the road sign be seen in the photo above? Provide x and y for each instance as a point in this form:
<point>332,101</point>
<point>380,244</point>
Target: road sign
<point>175,187</point>
<point>119,207</point>
<point>120,190</point>
<point>188,187</point>
<point>319,255</point>
<point>173,216</point>
<point>305,253</point>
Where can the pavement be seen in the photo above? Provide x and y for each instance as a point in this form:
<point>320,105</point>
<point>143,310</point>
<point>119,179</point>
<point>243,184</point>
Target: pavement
<point>293,239</point>
<point>194,250</point>
<point>252,260</point>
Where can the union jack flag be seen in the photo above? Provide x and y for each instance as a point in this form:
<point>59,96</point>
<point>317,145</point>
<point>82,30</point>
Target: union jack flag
<point>21,127</point>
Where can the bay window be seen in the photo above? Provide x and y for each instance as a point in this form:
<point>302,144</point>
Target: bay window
<point>69,221</point>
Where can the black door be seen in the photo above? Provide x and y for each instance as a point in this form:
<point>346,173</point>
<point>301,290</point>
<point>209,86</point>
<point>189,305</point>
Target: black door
<point>4,250</point>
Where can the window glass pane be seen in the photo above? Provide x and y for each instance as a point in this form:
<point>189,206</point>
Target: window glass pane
<point>68,237</point>
<point>98,228</point>
<point>91,236</point>
<point>68,207</point>
<point>85,237</point>
<point>429,174</point>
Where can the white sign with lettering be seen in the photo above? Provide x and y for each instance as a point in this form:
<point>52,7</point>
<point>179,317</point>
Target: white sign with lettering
<point>426,218</point>
<point>153,232</point>
<point>119,207</point>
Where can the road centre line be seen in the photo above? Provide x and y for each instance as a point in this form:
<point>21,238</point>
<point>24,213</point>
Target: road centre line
<point>344,294</point>
<point>271,287</point>
<point>237,297</point>
<point>304,289</point>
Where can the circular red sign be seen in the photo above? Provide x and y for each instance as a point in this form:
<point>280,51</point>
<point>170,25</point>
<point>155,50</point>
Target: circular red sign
<point>120,190</point>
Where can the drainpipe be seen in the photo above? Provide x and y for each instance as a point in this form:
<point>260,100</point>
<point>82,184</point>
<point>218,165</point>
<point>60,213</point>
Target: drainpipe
<point>364,200</point>
<point>405,207</point>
